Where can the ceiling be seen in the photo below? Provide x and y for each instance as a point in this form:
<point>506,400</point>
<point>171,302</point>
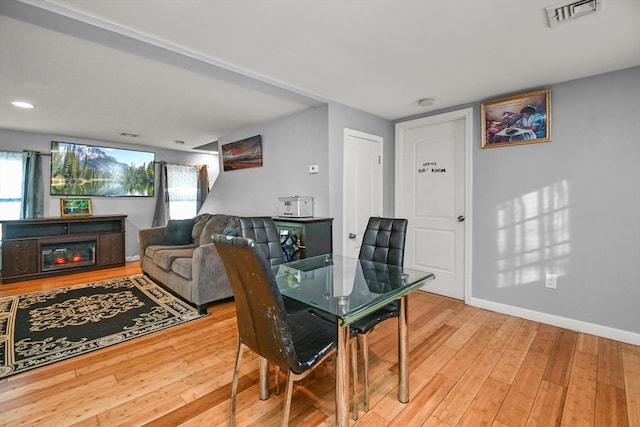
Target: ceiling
<point>195,70</point>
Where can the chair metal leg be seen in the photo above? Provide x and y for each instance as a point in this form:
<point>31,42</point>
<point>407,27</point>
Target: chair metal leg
<point>264,367</point>
<point>234,386</point>
<point>342,376</point>
<point>354,369</point>
<point>364,344</point>
<point>287,400</point>
<point>264,378</point>
<point>403,352</point>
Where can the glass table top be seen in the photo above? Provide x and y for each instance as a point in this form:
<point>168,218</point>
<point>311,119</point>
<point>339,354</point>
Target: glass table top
<point>348,288</point>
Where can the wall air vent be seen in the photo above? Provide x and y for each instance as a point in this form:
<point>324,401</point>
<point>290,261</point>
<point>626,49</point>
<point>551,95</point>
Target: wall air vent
<point>572,9</point>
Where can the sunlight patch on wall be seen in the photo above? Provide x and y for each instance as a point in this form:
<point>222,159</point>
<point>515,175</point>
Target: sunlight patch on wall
<point>533,236</point>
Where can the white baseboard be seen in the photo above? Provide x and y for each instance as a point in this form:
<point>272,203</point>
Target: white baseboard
<point>562,322</point>
<point>132,258</point>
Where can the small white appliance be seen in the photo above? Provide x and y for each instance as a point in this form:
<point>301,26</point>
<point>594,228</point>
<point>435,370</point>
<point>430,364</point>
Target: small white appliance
<point>295,207</point>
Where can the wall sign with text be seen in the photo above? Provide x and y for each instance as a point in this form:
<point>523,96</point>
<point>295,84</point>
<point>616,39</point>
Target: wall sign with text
<point>431,168</point>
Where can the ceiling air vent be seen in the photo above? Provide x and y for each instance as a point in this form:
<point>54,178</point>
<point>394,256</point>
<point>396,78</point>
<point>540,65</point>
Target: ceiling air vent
<point>567,10</point>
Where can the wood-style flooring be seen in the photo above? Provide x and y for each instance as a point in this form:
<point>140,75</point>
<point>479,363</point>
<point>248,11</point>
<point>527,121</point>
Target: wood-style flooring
<point>468,367</point>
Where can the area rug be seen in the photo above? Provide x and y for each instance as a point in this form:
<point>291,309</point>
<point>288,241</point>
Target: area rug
<point>43,327</point>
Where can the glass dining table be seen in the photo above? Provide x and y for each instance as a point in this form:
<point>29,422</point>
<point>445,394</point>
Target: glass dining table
<point>348,289</point>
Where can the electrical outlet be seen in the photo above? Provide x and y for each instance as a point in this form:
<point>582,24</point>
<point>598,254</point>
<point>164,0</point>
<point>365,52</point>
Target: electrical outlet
<point>551,281</point>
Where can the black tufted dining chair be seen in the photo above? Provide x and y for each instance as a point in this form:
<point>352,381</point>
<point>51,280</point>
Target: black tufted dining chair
<point>263,230</point>
<point>383,242</point>
<point>296,342</point>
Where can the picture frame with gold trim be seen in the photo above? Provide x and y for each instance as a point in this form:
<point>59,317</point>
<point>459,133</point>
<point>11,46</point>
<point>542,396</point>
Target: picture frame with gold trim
<point>516,120</point>
<point>75,207</point>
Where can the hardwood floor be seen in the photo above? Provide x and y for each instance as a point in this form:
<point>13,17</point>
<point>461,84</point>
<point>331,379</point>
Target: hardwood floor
<point>468,367</point>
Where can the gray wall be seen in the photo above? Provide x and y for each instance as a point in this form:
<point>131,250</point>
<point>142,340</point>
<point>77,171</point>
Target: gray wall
<point>139,209</point>
<point>289,146</point>
<point>568,207</point>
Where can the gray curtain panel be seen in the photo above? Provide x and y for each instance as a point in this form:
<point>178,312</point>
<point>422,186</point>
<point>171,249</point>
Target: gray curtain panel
<point>33,187</point>
<point>203,186</point>
<point>161,214</point>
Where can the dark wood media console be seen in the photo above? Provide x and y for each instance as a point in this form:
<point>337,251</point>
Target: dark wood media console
<point>35,248</point>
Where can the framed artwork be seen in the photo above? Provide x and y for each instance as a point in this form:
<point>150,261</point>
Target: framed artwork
<point>75,207</point>
<point>519,119</point>
<point>243,154</point>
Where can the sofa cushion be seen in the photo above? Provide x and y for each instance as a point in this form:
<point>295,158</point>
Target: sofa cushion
<point>165,258</point>
<point>216,225</point>
<point>178,232</point>
<point>182,267</point>
<point>150,251</point>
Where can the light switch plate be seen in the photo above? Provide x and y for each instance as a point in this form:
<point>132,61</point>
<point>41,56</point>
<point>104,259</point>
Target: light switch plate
<point>313,168</point>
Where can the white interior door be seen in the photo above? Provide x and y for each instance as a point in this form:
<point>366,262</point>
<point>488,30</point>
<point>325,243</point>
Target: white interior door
<point>362,189</point>
<point>431,189</point>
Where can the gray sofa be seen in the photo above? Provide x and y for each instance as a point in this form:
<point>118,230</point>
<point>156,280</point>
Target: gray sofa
<point>190,268</point>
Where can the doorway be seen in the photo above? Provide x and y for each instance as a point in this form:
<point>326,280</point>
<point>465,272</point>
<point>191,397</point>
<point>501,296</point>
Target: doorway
<point>433,191</point>
<point>362,188</point>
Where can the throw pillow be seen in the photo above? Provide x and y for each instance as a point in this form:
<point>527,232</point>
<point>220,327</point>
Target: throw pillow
<point>178,232</point>
<point>230,231</point>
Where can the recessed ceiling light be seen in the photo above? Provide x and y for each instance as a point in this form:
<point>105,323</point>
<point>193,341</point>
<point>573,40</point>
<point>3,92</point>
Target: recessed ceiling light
<point>426,102</point>
<point>22,104</point>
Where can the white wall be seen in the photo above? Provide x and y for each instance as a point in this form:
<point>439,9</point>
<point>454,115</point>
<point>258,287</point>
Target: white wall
<point>139,210</point>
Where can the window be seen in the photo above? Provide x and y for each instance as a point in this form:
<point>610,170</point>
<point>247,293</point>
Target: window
<point>11,168</point>
<point>182,185</point>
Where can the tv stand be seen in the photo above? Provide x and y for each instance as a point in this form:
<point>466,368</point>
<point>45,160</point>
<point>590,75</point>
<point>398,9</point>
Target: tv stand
<point>41,247</point>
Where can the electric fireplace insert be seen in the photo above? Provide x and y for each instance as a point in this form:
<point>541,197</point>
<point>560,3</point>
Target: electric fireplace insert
<point>62,255</point>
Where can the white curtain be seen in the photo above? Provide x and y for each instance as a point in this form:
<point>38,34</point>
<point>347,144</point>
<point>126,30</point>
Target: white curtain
<point>182,190</point>
<point>182,185</point>
<point>11,184</point>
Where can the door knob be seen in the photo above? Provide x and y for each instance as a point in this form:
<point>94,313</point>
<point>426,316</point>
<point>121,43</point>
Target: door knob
<point>352,236</point>
<point>461,218</point>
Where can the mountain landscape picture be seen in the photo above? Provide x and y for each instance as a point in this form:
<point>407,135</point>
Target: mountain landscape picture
<point>87,170</point>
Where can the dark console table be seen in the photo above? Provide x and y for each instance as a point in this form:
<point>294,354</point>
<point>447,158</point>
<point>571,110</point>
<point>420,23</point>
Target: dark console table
<point>305,237</point>
<point>35,248</point>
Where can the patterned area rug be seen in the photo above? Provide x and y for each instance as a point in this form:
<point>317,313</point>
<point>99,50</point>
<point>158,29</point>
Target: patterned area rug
<point>43,327</point>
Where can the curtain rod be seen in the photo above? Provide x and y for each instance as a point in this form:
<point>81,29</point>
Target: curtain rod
<point>180,164</point>
<point>49,154</point>
<point>25,151</point>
